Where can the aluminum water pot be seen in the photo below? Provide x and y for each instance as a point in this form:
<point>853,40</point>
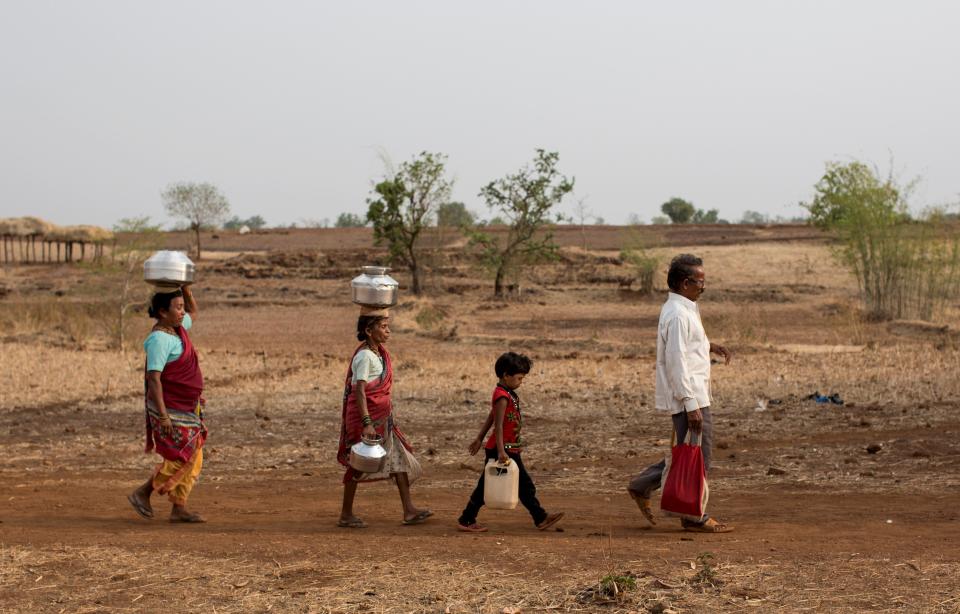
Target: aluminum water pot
<point>368,455</point>
<point>374,287</point>
<point>168,269</point>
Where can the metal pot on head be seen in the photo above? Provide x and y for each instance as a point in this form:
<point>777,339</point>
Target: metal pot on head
<point>374,288</point>
<point>168,270</point>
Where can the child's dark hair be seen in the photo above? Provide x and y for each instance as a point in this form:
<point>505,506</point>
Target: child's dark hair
<point>161,301</point>
<point>365,323</point>
<point>512,363</point>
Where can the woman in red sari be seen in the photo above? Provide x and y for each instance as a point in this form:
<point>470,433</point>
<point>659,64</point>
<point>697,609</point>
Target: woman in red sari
<point>173,386</point>
<point>368,412</point>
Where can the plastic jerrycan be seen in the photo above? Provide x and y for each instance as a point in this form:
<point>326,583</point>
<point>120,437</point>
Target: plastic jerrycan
<point>501,485</point>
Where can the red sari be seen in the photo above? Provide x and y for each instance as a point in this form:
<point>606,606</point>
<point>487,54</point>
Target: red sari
<point>379,406</point>
<point>182,384</point>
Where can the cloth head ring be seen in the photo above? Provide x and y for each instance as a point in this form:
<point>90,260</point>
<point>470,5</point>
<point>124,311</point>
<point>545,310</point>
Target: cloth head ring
<point>366,310</point>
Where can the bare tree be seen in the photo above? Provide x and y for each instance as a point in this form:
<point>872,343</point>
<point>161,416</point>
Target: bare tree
<point>583,214</point>
<point>200,204</point>
<point>137,238</point>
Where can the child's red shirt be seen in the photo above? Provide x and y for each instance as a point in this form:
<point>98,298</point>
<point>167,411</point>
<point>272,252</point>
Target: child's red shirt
<point>512,420</point>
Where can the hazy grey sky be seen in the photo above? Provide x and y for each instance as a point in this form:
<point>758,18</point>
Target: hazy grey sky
<point>734,105</point>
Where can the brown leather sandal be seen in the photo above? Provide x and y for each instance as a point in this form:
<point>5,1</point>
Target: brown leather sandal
<point>710,526</point>
<point>471,528</point>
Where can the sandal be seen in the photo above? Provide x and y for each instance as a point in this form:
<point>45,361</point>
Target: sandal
<point>421,516</point>
<point>549,521</point>
<point>353,523</point>
<point>190,518</point>
<point>644,504</point>
<point>139,507</point>
<point>471,528</point>
<point>710,526</point>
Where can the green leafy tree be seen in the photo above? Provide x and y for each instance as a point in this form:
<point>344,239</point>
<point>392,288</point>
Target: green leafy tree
<point>254,223</point>
<point>454,215</point>
<point>706,217</point>
<point>754,217</point>
<point>850,192</point>
<point>403,207</point>
<point>200,205</point>
<point>349,220</point>
<point>678,210</point>
<point>526,200</point>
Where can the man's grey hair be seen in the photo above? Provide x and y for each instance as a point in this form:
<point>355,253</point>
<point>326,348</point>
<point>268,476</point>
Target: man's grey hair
<point>682,267</point>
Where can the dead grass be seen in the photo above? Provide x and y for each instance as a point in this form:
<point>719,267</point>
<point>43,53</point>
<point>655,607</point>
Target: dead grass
<point>97,579</point>
<point>274,353</point>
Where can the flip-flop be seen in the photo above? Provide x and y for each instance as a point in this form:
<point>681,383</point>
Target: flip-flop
<point>549,521</point>
<point>192,518</point>
<point>421,516</point>
<point>353,523</point>
<point>140,508</point>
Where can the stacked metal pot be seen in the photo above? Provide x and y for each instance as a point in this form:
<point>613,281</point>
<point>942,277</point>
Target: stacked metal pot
<point>374,288</point>
<point>168,270</point>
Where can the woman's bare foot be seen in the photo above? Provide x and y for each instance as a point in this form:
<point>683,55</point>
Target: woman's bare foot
<point>179,513</point>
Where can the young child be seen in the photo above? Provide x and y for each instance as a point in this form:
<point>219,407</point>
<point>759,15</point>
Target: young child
<point>506,444</point>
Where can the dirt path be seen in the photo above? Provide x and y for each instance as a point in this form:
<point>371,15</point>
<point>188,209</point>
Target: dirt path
<point>89,544</point>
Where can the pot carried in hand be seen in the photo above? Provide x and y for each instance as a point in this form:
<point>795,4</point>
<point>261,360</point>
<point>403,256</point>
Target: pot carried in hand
<point>501,485</point>
<point>368,455</point>
<point>374,288</point>
<point>168,269</point>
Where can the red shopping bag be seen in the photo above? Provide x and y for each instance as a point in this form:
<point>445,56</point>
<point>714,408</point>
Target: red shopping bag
<point>684,490</point>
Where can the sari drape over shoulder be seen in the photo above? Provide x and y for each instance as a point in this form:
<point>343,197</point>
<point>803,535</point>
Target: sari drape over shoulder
<point>182,384</point>
<point>379,406</point>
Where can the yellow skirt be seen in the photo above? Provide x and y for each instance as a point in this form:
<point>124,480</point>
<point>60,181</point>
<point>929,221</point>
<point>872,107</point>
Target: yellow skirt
<point>176,478</point>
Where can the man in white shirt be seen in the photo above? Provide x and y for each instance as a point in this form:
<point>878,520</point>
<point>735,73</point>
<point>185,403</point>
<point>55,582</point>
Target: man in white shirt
<point>683,379</point>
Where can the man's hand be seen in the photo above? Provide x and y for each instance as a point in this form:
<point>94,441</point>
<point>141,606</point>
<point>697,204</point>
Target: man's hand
<point>695,421</point>
<point>719,350</point>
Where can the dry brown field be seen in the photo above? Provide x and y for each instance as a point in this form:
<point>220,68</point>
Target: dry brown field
<point>821,523</point>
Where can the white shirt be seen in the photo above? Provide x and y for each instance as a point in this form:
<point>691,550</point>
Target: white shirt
<point>367,366</point>
<point>683,357</point>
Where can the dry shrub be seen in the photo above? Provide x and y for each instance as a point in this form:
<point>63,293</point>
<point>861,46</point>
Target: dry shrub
<point>638,255</point>
<point>904,268</point>
<point>430,316</point>
<point>72,323</point>
<point>85,325</point>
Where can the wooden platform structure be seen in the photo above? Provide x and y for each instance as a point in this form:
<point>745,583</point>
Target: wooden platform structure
<point>22,236</point>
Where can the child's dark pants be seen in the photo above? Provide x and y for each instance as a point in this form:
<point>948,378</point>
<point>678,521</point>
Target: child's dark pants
<point>528,493</point>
